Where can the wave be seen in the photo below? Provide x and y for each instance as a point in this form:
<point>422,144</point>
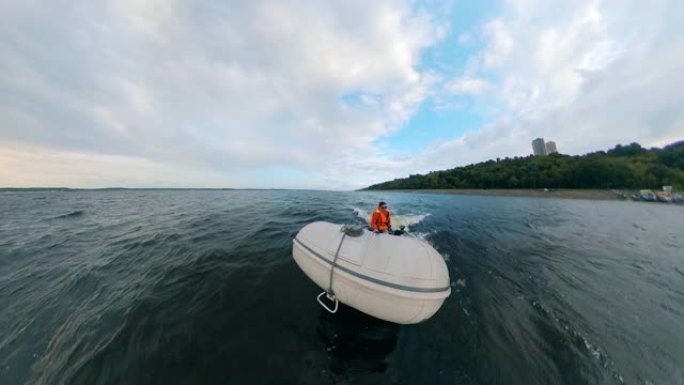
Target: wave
<point>76,213</point>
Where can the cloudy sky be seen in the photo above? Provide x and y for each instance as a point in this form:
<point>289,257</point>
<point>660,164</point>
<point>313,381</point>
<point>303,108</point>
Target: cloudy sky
<point>324,94</point>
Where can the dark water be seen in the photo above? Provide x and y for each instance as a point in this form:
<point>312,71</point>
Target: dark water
<point>199,287</point>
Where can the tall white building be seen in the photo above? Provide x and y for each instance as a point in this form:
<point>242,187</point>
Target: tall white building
<point>551,148</point>
<point>539,147</point>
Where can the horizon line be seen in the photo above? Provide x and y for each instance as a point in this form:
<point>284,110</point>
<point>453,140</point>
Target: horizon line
<point>163,188</point>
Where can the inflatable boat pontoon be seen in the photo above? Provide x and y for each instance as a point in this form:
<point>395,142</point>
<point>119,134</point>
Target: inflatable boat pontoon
<point>400,279</point>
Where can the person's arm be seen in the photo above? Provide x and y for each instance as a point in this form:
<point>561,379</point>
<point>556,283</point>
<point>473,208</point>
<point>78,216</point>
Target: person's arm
<point>373,222</point>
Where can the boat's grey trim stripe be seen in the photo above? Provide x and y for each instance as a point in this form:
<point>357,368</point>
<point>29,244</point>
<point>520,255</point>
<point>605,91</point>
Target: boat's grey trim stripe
<point>371,279</point>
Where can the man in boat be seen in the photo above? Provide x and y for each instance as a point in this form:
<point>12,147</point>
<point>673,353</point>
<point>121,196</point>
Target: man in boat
<point>381,221</point>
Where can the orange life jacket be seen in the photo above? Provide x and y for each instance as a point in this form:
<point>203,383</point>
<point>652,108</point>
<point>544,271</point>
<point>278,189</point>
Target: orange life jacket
<point>380,220</point>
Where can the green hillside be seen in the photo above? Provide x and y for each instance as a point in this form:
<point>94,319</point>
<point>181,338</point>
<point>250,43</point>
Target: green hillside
<point>626,167</point>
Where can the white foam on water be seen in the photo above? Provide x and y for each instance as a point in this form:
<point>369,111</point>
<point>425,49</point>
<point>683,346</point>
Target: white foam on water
<point>407,220</point>
<point>423,236</point>
<point>362,214</point>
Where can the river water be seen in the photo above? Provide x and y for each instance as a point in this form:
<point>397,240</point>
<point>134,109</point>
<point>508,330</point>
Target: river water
<point>199,287</point>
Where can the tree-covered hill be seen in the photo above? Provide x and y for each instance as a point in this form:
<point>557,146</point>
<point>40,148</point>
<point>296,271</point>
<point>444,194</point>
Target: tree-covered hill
<point>628,167</point>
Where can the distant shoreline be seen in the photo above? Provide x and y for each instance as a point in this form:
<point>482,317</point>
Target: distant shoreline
<point>592,194</point>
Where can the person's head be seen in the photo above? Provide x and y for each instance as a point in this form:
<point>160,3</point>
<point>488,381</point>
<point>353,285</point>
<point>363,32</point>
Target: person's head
<point>382,205</point>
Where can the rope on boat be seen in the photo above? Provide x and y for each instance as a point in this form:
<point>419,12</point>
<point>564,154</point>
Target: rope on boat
<point>330,294</point>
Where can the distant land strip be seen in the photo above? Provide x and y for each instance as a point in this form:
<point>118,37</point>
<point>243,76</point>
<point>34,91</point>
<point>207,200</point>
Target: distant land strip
<point>549,193</point>
<point>630,167</point>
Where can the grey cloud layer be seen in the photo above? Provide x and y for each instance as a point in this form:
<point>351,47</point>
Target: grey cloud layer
<point>224,88</point>
<point>214,84</point>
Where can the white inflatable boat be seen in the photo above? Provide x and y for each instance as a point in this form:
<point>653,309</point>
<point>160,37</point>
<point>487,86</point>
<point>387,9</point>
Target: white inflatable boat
<point>400,279</point>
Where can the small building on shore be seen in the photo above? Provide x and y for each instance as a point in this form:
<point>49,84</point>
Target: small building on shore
<point>541,148</point>
<point>551,148</point>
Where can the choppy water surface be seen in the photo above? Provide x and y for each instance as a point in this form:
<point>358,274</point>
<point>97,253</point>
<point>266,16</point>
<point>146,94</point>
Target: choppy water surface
<point>199,287</point>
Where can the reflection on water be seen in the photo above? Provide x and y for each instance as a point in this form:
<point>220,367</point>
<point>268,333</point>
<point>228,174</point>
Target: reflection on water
<point>356,343</point>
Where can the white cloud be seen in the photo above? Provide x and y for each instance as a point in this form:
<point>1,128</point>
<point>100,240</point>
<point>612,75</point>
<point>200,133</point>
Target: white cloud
<point>500,43</point>
<point>212,86</point>
<point>586,74</point>
<point>468,85</point>
<point>222,91</point>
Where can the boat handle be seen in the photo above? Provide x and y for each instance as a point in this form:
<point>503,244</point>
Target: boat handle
<point>331,297</point>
